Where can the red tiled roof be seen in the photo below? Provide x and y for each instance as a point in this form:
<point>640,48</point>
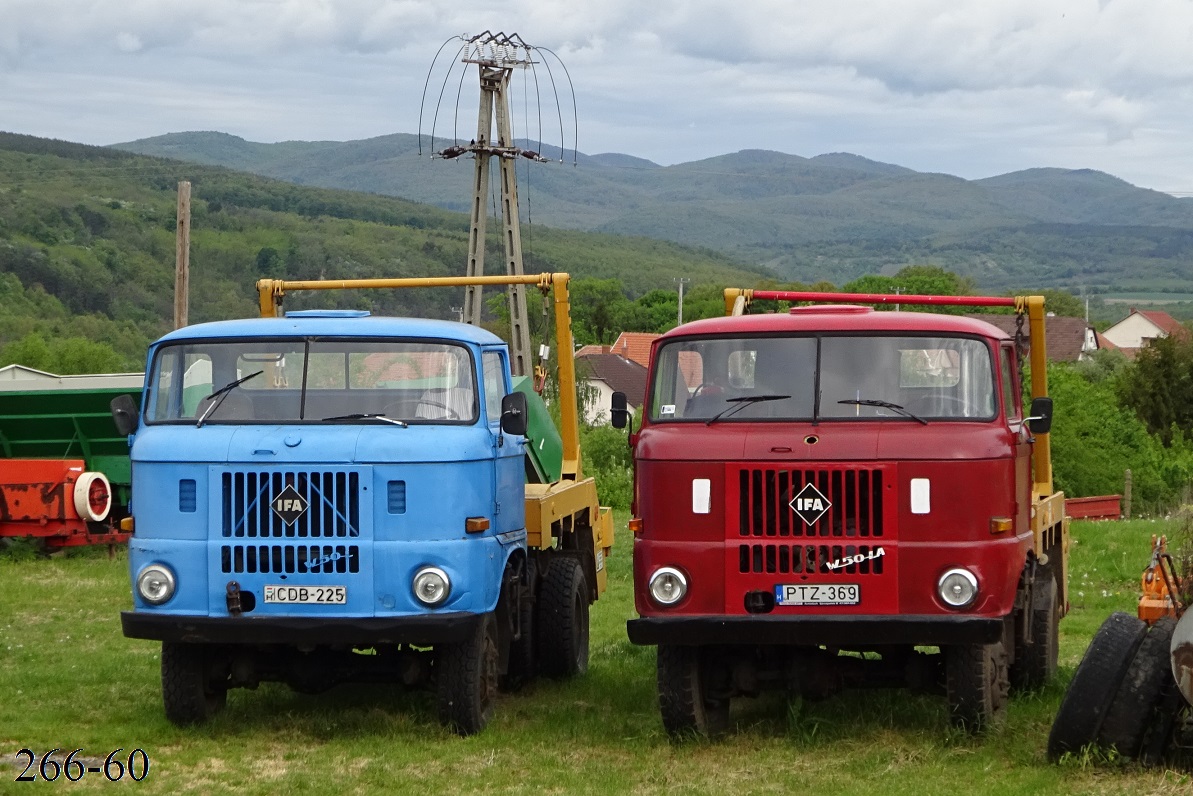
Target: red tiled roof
<point>1163,321</point>
<point>634,346</point>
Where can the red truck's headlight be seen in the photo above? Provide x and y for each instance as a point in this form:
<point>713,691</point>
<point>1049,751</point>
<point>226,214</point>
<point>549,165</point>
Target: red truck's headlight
<point>667,586</point>
<point>958,588</point>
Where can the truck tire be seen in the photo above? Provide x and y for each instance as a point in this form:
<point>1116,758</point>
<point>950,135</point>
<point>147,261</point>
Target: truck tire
<point>189,692</point>
<point>1095,682</point>
<point>1158,740</point>
<point>562,615</point>
<point>1133,710</point>
<point>686,699</point>
<point>977,685</point>
<point>1035,662</point>
<point>466,679</point>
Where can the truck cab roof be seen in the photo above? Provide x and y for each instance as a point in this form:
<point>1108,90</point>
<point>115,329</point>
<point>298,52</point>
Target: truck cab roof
<point>839,318</point>
<point>336,325</point>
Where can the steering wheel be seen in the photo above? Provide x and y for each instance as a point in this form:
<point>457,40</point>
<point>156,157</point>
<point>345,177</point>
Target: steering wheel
<point>452,414</point>
<point>937,402</point>
<point>707,388</point>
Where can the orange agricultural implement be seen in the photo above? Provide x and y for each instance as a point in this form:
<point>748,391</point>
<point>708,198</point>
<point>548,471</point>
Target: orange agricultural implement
<point>1160,592</point>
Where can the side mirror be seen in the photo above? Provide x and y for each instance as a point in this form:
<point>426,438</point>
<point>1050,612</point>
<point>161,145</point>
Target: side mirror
<point>619,413</point>
<point>1040,419</point>
<point>514,413</point>
<point>125,414</point>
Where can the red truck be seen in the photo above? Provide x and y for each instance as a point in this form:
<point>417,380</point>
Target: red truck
<point>836,496</point>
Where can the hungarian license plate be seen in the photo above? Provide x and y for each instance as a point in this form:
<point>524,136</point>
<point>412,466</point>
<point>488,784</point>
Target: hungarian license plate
<point>319,595</point>
<point>818,594</point>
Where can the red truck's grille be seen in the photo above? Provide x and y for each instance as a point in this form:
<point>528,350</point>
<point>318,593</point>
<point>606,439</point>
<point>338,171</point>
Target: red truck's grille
<point>853,495</point>
<point>809,559</point>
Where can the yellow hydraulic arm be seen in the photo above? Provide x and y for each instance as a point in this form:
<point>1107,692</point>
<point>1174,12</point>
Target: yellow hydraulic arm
<point>271,292</point>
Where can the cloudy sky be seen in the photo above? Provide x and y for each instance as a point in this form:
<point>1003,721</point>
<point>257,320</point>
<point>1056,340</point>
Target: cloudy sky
<point>967,87</point>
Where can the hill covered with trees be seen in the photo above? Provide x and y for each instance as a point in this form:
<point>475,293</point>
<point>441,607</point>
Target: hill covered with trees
<point>87,249</point>
<point>834,217</point>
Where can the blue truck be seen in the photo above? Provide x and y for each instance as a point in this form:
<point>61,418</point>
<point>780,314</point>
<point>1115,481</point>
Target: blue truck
<point>327,496</point>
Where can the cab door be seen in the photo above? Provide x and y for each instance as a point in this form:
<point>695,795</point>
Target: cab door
<point>509,457</point>
<point>1013,406</point>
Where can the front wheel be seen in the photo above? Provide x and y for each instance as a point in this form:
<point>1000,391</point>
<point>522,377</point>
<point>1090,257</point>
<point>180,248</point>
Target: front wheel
<point>191,691</point>
<point>466,679</point>
<point>688,698</point>
<point>977,685</point>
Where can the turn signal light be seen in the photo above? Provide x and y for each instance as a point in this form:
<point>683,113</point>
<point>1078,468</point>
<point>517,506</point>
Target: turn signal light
<point>1001,524</point>
<point>635,525</point>
<point>476,524</point>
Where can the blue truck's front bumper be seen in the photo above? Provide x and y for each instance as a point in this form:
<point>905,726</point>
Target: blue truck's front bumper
<point>424,630</point>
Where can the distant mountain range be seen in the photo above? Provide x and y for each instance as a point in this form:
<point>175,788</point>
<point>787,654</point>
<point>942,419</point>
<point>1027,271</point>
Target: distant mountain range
<point>836,216</point>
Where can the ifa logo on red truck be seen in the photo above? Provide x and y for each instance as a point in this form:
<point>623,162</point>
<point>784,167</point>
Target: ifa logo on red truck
<point>810,505</point>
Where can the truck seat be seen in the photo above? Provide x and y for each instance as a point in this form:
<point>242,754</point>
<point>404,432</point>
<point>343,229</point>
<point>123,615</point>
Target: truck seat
<point>234,406</point>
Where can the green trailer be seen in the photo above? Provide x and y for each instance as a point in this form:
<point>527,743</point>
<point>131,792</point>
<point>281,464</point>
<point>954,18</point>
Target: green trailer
<point>64,469</point>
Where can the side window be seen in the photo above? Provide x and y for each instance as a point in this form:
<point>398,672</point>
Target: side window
<point>1010,391</point>
<point>494,368</point>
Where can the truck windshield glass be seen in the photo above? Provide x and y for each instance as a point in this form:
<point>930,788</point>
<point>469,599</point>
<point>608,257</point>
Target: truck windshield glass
<point>826,377</point>
<point>312,381</point>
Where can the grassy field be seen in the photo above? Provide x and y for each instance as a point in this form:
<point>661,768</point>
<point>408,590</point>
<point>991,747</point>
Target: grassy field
<point>69,679</point>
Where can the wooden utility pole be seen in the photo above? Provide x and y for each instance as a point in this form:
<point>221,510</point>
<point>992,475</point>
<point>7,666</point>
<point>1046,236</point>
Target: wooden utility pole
<point>1127,495</point>
<point>182,259</point>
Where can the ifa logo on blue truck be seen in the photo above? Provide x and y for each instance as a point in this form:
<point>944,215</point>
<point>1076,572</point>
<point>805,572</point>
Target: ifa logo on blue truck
<point>289,505</point>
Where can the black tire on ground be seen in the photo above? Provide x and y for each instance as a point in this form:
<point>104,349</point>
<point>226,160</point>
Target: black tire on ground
<point>1095,682</point>
<point>1035,662</point>
<point>1133,710</point>
<point>687,699</point>
<point>190,692</point>
<point>1158,740</point>
<point>976,684</point>
<point>466,679</point>
<point>562,620</point>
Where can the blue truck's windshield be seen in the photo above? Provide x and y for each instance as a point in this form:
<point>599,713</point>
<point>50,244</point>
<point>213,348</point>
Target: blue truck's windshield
<point>311,381</point>
<point>823,377</point>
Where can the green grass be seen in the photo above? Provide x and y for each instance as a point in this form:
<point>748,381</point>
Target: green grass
<point>69,679</point>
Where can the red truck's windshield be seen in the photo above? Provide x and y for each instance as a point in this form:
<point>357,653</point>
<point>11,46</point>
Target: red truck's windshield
<point>823,377</point>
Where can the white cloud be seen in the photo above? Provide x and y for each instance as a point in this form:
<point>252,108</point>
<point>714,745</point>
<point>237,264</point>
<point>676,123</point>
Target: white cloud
<point>971,87</point>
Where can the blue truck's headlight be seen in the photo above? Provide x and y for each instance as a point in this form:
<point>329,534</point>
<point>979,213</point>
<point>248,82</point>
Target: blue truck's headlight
<point>156,584</point>
<point>431,586</point>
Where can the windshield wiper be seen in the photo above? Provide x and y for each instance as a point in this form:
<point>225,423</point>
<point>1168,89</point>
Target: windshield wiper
<point>884,405</point>
<point>221,393</point>
<point>741,403</point>
<point>368,416</point>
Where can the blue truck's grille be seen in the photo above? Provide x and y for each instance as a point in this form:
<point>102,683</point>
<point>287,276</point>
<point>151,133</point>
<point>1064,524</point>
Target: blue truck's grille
<point>289,558</point>
<point>291,504</point>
